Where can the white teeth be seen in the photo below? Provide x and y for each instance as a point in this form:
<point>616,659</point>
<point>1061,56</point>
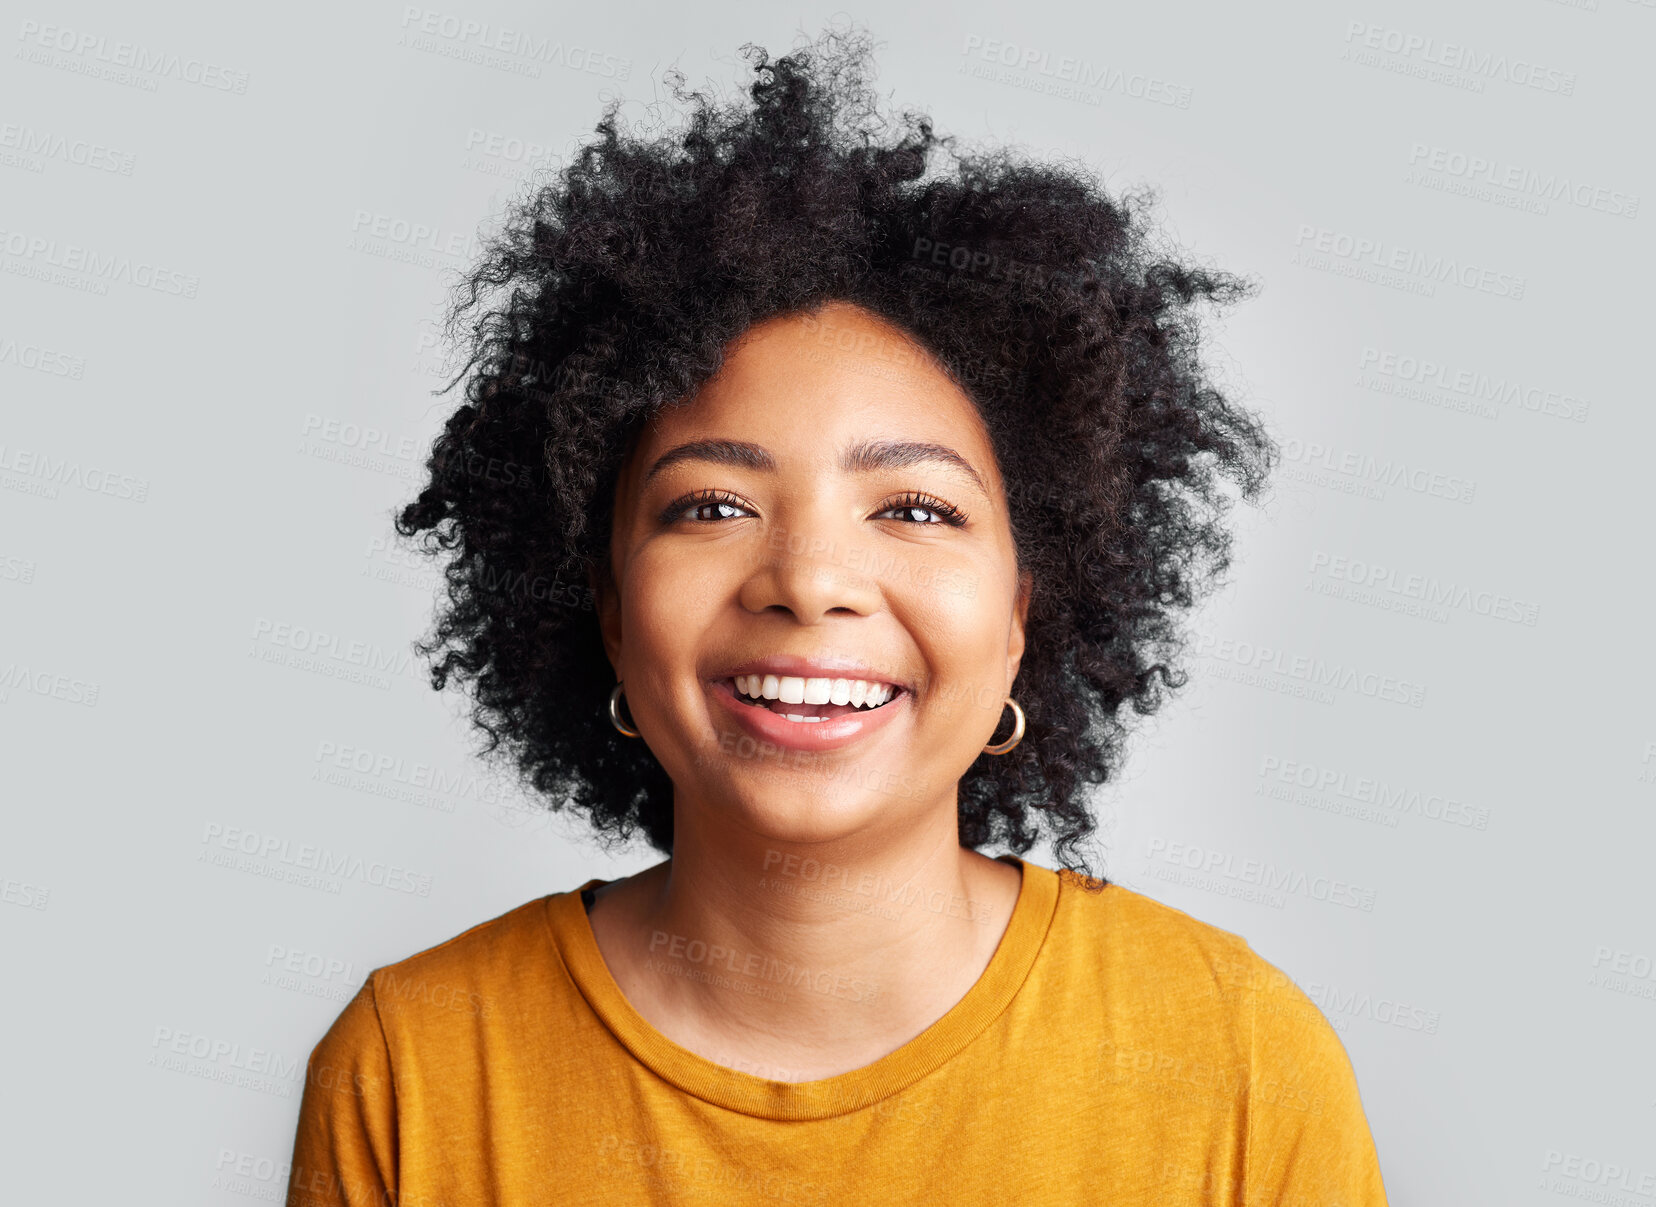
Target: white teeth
<point>794,689</point>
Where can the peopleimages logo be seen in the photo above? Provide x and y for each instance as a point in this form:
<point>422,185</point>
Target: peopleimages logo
<point>35,252</point>
<point>96,51</point>
<point>1395,798</point>
<point>1481,65</point>
<point>522,152</point>
<point>465,38</point>
<point>1436,596</point>
<point>330,655</point>
<point>1376,255</point>
<point>1369,474</point>
<point>323,644</point>
<point>1544,186</point>
<point>1416,376</point>
<point>1318,672</point>
<point>381,774</point>
<point>755,965</point>
<point>1621,971</point>
<point>1091,80</point>
<point>42,145</point>
<point>1261,874</point>
<point>362,437</point>
<point>31,471</point>
<point>281,859</point>
<point>415,236</point>
<point>1581,1170</point>
<point>245,1170</point>
<point>16,677</point>
<point>310,973</point>
<point>23,894</point>
<point>49,361</point>
<point>1387,1011</point>
<point>227,1061</point>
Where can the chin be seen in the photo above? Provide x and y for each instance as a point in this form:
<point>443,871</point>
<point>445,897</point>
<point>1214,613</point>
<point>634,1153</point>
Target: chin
<point>790,809</point>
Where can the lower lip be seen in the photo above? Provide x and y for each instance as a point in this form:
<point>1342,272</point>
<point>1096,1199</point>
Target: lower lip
<point>767,726</point>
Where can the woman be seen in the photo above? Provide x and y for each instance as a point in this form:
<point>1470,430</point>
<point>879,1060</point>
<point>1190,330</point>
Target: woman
<point>888,489</point>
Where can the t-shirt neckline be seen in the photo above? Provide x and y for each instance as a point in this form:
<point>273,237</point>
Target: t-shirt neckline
<point>1008,968</point>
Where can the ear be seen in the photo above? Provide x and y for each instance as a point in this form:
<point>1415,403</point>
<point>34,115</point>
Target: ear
<point>1020,618</point>
<point>606,603</point>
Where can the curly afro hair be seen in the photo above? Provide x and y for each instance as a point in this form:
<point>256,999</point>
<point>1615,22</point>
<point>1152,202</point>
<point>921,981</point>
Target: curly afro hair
<point>614,290</point>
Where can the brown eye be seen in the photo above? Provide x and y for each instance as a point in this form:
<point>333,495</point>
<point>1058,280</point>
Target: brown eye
<point>915,508</point>
<point>700,507</point>
<point>694,503</point>
<point>946,513</point>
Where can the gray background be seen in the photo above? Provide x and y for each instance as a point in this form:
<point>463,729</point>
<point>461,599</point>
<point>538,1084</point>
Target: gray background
<point>1421,681</point>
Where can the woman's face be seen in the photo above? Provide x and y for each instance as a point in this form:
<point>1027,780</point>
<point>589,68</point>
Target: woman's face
<point>792,520</point>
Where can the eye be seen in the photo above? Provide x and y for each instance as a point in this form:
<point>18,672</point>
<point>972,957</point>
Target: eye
<point>702,498</point>
<point>945,513</point>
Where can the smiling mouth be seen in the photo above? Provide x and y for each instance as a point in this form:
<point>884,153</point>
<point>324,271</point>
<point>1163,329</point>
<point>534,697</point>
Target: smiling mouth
<point>843,696</point>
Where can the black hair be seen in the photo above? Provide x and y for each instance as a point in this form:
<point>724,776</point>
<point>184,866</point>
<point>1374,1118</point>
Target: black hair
<point>615,289</point>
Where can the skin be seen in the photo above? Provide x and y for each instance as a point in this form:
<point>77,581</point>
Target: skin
<point>809,560</point>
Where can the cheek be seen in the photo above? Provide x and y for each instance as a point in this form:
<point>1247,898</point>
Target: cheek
<point>961,625</point>
<point>668,603</point>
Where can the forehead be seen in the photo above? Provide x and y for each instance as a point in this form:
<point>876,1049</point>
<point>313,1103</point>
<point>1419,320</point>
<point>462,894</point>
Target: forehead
<point>809,384</point>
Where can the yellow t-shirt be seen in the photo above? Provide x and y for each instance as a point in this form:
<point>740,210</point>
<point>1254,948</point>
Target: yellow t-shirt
<point>1115,1050</point>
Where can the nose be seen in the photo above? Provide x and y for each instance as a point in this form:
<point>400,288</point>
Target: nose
<point>812,572</point>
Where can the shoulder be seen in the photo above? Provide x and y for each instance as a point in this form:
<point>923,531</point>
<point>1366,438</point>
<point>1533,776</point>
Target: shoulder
<point>1182,985</point>
<point>473,976</point>
<point>1159,949</point>
<point>1191,1003</point>
<point>408,1030</point>
<point>476,976</point>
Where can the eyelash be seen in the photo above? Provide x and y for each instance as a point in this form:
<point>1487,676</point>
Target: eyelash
<point>948,513</point>
<point>951,515</point>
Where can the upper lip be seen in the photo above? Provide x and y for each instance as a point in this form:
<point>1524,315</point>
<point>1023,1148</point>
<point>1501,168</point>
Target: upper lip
<point>820,667</point>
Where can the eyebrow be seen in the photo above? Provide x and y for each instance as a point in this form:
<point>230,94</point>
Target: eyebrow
<point>867,457</point>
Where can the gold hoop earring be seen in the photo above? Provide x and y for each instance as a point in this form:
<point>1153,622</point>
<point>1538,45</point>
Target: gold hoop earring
<point>615,713</point>
<point>1017,731</point>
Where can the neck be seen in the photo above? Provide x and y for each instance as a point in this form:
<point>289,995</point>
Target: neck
<point>815,957</point>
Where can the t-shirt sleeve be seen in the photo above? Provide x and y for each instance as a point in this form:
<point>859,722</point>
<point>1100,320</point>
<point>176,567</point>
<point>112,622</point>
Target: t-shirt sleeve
<point>1308,1143</point>
<point>345,1151</point>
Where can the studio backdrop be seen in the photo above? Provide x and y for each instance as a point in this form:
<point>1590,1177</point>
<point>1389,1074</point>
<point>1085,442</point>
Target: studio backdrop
<point>1414,764</point>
